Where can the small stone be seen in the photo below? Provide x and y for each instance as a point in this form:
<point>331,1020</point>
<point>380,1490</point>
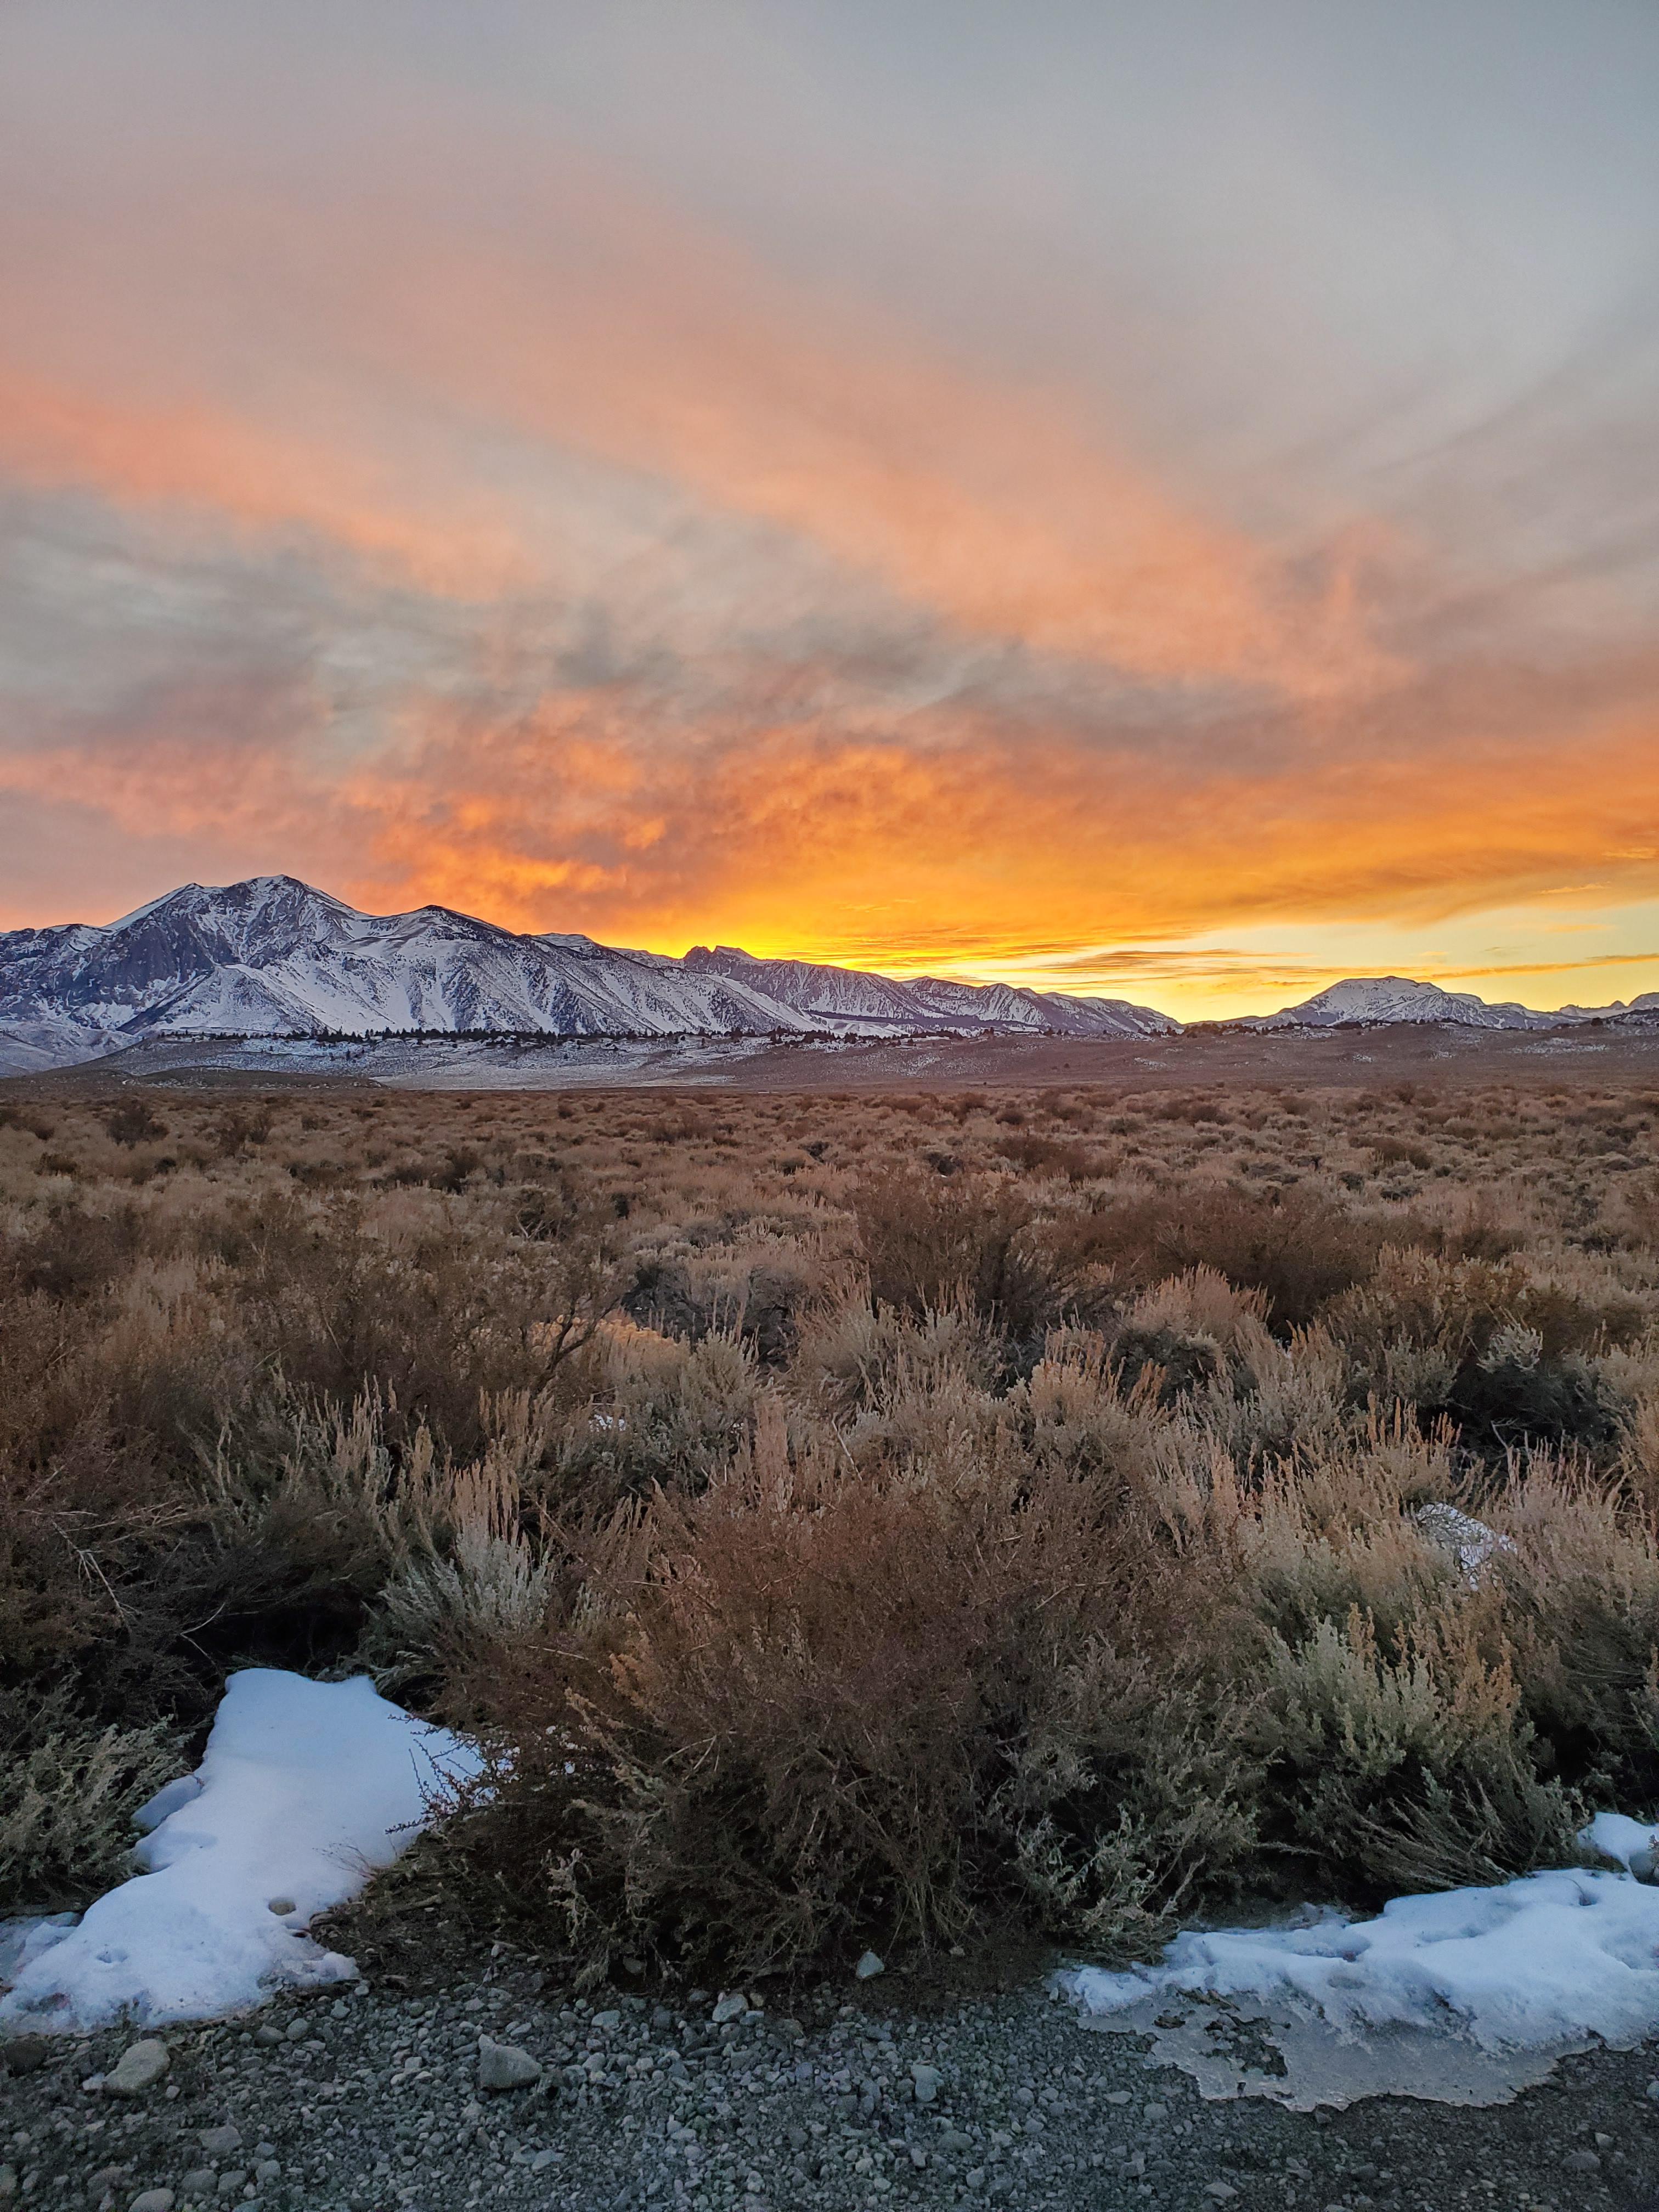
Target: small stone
<point>1116,2097</point>
<point>297,2030</point>
<point>542,2160</point>
<point>199,2181</point>
<point>141,2066</point>
<point>1155,2112</point>
<point>282,1906</point>
<point>1603,2142</point>
<point>268,2037</point>
<point>954,2139</point>
<point>918,2156</point>
<point>1582,2161</point>
<point>926,2081</point>
<point>220,2142</point>
<point>23,2054</point>
<point>732,2004</point>
<point>1220,2191</point>
<point>1652,2092</point>
<point>153,2200</point>
<point>607,2019</point>
<point>869,1966</point>
<point>504,2066</point>
<point>231,2181</point>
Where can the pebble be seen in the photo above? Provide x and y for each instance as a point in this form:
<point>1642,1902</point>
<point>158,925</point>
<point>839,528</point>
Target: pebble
<point>1581,2162</point>
<point>869,1966</point>
<point>220,2142</point>
<point>153,2200</point>
<point>926,2081</point>
<point>504,2066</point>
<point>199,2181</point>
<point>141,2066</point>
<point>730,2005</point>
<point>23,2054</point>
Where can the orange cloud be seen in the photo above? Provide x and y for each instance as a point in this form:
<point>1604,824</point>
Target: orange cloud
<point>243,476</point>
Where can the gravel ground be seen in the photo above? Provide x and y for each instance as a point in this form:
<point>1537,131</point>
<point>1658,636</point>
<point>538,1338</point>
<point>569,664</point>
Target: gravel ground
<point>371,2099</point>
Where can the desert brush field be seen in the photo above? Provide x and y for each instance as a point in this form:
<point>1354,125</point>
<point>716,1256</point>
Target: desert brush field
<point>896,1520</point>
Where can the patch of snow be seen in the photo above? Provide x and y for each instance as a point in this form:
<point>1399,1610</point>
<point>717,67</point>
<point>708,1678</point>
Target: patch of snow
<point>304,1789</point>
<point>1462,1996</point>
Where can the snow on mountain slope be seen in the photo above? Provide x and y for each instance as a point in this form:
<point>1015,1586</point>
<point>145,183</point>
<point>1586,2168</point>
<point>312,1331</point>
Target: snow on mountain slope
<point>879,1004</point>
<point>272,957</point>
<point>1398,999</point>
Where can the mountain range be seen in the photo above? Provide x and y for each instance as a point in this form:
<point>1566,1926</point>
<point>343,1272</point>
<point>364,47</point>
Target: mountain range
<point>273,958</point>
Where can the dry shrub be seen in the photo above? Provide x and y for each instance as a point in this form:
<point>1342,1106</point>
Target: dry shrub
<point>931,1241</point>
<point>1295,1247</point>
<point>68,1795</point>
<point>809,1702</point>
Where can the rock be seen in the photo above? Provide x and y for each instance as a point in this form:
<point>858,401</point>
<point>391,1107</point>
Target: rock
<point>106,2178</point>
<point>269,2037</point>
<point>219,2143</point>
<point>607,2021</point>
<point>198,2182</point>
<point>231,2181</point>
<point>504,2066</point>
<point>8,2180</point>
<point>730,2005</point>
<point>282,1906</point>
<point>542,2160</point>
<point>918,2157</point>
<point>1582,2161</point>
<point>954,2139</point>
<point>23,2054</point>
<point>141,2066</point>
<point>1220,2191</point>
<point>1116,2097</point>
<point>297,2030</point>
<point>926,2081</point>
<point>1152,2112</point>
<point>266,2172</point>
<point>869,1966</point>
<point>1652,2092</point>
<point>153,2200</point>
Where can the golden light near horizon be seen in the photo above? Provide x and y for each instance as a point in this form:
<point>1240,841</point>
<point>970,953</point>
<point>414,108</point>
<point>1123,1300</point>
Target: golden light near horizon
<point>582,480</point>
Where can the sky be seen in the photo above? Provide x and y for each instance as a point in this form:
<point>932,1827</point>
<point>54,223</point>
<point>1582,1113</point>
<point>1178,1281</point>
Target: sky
<point>1160,499</point>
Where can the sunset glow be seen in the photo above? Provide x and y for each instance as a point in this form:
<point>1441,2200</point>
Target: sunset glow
<point>1156,502</point>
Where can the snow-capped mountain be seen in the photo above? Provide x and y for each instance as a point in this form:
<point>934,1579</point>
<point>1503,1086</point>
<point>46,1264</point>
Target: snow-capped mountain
<point>272,957</point>
<point>1396,999</point>
<point>849,998</point>
<point>1373,998</point>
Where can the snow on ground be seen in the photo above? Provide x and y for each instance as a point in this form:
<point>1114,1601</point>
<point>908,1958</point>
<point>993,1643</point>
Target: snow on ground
<point>305,1788</point>
<point>1464,1995</point>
